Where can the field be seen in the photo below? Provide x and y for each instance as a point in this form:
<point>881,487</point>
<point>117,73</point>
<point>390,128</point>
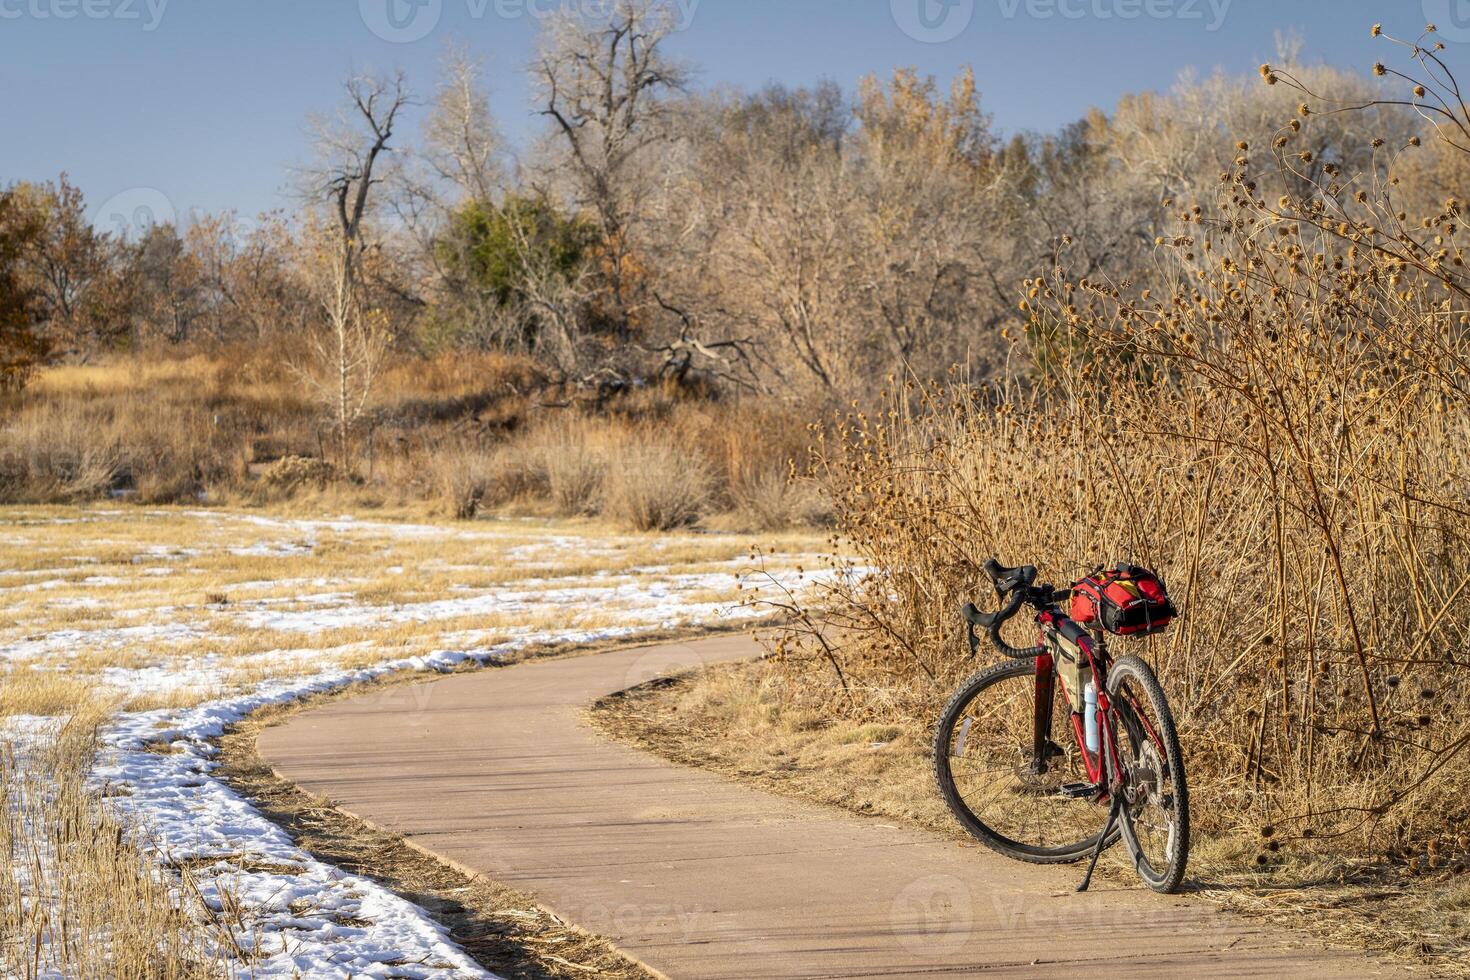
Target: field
<point>133,637</point>
<point>455,435</point>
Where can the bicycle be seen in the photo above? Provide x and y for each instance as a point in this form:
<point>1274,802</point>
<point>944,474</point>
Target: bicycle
<point>1047,801</point>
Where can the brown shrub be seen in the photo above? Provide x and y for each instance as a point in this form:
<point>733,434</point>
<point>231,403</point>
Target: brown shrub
<point>465,478</point>
<point>289,474</point>
<point>775,499</point>
<point>569,458</point>
<point>655,485</point>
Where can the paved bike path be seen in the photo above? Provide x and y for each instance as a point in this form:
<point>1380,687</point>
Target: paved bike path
<point>698,876</point>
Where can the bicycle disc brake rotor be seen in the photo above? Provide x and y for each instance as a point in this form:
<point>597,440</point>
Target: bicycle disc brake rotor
<point>1146,778</point>
<point>1148,790</point>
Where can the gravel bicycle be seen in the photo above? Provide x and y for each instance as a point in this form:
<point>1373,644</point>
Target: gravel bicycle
<point>1049,800</point>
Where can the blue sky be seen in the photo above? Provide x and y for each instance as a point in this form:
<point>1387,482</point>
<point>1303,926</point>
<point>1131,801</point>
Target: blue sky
<point>203,102</point>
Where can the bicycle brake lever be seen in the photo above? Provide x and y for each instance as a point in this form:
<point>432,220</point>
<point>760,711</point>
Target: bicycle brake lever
<point>971,616</point>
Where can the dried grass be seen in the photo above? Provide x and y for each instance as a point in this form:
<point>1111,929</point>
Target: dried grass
<point>460,433</point>
<point>657,486</point>
<point>77,896</point>
<point>42,693</point>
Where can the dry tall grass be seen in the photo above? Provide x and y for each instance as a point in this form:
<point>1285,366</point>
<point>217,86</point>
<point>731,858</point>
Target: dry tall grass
<point>464,433</point>
<point>1285,434</point>
<point>77,897</point>
<point>657,486</point>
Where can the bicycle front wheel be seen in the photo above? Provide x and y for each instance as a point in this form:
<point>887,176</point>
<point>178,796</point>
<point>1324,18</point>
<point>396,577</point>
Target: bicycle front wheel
<point>1156,802</point>
<point>984,764</point>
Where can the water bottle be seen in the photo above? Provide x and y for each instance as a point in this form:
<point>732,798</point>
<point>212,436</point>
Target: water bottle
<point>1089,714</point>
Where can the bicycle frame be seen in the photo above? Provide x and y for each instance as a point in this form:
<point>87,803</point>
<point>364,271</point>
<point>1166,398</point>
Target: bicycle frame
<point>1103,768</point>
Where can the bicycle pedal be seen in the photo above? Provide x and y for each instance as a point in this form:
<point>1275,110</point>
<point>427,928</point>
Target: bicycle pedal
<point>1078,791</point>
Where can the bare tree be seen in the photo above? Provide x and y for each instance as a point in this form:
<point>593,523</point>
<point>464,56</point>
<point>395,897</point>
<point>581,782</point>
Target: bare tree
<point>350,147</point>
<point>458,174</point>
<point>462,144</point>
<point>847,245</point>
<point>604,85</point>
<point>169,287</point>
<point>347,348</point>
<point>461,159</point>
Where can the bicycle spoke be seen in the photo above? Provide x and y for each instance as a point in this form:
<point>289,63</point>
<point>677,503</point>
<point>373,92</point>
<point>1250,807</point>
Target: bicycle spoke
<point>989,758</point>
<point>1154,825</point>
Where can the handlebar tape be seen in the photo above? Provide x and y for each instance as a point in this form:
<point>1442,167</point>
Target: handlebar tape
<point>992,622</point>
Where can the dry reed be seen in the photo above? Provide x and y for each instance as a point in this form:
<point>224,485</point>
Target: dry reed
<point>1282,430</point>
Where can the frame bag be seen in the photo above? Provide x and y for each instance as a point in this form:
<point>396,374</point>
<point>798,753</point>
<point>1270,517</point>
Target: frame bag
<point>1126,600</point>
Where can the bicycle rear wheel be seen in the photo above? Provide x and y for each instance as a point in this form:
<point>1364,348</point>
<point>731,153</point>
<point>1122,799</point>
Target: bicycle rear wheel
<point>983,748</point>
<point>1156,803</point>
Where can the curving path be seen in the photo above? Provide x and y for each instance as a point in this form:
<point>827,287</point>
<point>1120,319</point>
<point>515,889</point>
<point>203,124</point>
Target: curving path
<point>698,876</point>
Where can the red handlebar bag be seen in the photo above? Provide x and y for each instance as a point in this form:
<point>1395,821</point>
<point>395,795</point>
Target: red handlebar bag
<point>1126,600</point>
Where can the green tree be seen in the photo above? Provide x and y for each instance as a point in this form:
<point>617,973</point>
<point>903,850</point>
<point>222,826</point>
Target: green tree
<point>504,254</point>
